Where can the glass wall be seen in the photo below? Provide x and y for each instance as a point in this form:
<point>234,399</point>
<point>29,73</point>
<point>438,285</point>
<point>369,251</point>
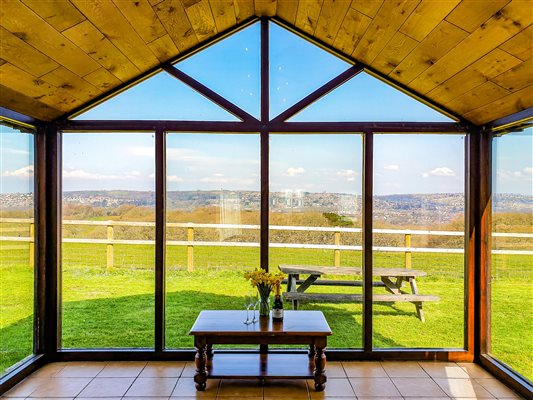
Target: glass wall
<point>315,219</point>
<point>16,246</point>
<point>108,240</point>
<point>418,241</point>
<point>512,251</point>
<point>213,216</point>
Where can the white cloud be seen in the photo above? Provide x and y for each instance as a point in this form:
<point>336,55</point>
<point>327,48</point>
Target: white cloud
<point>528,171</point>
<point>10,150</point>
<point>214,179</point>
<point>174,178</point>
<point>24,172</point>
<point>349,174</point>
<point>294,171</point>
<point>81,174</point>
<point>392,167</point>
<point>440,171</point>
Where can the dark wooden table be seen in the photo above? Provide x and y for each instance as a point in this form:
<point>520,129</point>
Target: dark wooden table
<point>227,327</point>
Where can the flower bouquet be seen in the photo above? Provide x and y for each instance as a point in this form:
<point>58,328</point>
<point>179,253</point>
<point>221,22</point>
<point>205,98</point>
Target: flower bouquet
<point>264,282</point>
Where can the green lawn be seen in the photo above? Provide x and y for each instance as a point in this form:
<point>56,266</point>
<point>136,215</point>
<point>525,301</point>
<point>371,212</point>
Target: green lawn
<point>115,308</point>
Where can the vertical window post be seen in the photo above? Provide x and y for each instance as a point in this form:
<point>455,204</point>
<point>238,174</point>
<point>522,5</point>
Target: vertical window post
<point>160,238</point>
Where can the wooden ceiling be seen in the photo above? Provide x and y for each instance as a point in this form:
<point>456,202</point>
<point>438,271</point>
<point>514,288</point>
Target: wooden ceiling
<point>473,57</point>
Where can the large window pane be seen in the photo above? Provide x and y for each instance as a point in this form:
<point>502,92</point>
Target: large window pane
<point>213,202</point>
<point>16,247</point>
<point>315,219</point>
<point>108,240</point>
<point>512,251</point>
<point>418,221</point>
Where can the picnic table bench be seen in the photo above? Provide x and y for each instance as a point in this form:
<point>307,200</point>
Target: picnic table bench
<point>391,279</point>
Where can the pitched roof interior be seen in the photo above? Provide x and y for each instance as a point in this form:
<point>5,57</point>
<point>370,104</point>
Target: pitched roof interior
<point>472,58</point>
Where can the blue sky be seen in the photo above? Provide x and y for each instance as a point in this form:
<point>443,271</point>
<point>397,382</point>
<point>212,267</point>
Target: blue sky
<point>316,163</point>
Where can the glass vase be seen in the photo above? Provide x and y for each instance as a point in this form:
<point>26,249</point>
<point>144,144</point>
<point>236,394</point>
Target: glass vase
<point>264,300</point>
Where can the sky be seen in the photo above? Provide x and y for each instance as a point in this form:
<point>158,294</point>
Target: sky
<point>313,163</point>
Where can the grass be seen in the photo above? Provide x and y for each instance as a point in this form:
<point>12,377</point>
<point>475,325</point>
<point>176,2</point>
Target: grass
<point>115,308</point>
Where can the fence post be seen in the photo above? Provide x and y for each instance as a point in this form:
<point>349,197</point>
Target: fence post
<point>190,248</point>
<point>408,253</point>
<point>110,236</point>
<point>32,244</point>
<point>337,252</point>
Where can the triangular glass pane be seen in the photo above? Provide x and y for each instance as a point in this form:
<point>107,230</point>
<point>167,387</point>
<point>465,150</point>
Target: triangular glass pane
<point>231,68</point>
<point>161,97</point>
<point>297,68</point>
<point>367,99</point>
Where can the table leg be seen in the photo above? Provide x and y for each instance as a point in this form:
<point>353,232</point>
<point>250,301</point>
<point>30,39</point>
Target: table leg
<point>209,351</point>
<point>418,304</point>
<point>200,377</point>
<point>320,365</point>
<point>312,351</point>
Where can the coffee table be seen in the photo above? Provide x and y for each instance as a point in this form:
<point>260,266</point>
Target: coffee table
<point>227,327</point>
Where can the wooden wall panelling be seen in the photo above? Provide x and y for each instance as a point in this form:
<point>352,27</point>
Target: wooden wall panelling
<point>201,18</point>
<point>22,82</point>
<point>224,14</point>
<point>351,31</point>
<point>330,20</point>
<point>487,67</point>
<point>21,54</point>
<point>507,105</point>
<point>308,14</point>
<point>28,26</point>
<point>469,15</point>
<point>441,40</point>
<point>93,42</point>
<point>389,18</point>
<point>164,48</point>
<point>287,10</point>
<point>61,14</point>
<point>517,77</point>
<point>265,8</point>
<point>173,17</point>
<point>521,44</point>
<point>111,23</point>
<point>244,9</point>
<point>24,104</point>
<point>397,49</point>
<point>426,16</point>
<point>477,97</point>
<point>142,18</point>
<point>502,26</point>
<point>72,83</point>
<point>368,7</point>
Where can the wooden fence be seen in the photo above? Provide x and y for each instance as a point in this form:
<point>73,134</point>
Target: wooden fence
<point>190,243</point>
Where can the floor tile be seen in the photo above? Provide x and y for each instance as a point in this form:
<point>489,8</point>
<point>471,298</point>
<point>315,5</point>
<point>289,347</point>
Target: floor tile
<point>26,387</point>
<point>418,387</point>
<point>107,387</point>
<point>335,370</point>
<point>373,387</point>
<point>98,398</point>
<point>204,397</point>
<point>387,398</point>
<point>463,388</point>
<point>81,370</point>
<point>152,387</point>
<point>475,371</point>
<point>189,370</point>
<point>122,369</point>
<point>48,370</point>
<point>443,370</point>
<point>61,387</point>
<point>293,388</point>
<point>365,369</point>
<point>404,369</point>
<point>238,388</point>
<point>335,387</point>
<point>496,388</point>
<point>162,369</point>
<point>186,387</point>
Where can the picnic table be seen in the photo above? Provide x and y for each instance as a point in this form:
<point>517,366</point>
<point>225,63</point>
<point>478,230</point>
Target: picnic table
<point>391,279</point>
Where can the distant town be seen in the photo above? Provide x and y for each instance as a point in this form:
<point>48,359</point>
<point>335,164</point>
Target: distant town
<point>400,208</point>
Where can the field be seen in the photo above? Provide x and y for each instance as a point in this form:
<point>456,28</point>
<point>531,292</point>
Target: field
<point>104,308</point>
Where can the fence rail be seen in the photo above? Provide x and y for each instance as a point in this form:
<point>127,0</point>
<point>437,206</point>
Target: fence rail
<point>190,243</point>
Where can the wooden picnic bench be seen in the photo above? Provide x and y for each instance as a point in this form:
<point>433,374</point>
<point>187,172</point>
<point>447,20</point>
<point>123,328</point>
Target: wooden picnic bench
<point>391,279</point>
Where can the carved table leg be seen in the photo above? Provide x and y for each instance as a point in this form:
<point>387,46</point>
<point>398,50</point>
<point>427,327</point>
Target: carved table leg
<point>320,366</point>
<point>312,351</point>
<point>200,377</point>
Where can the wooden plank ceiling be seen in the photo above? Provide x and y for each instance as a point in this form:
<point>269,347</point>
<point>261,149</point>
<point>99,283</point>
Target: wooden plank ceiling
<point>473,57</point>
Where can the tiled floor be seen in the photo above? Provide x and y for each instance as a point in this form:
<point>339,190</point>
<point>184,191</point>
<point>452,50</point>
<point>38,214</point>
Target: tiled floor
<point>347,380</point>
